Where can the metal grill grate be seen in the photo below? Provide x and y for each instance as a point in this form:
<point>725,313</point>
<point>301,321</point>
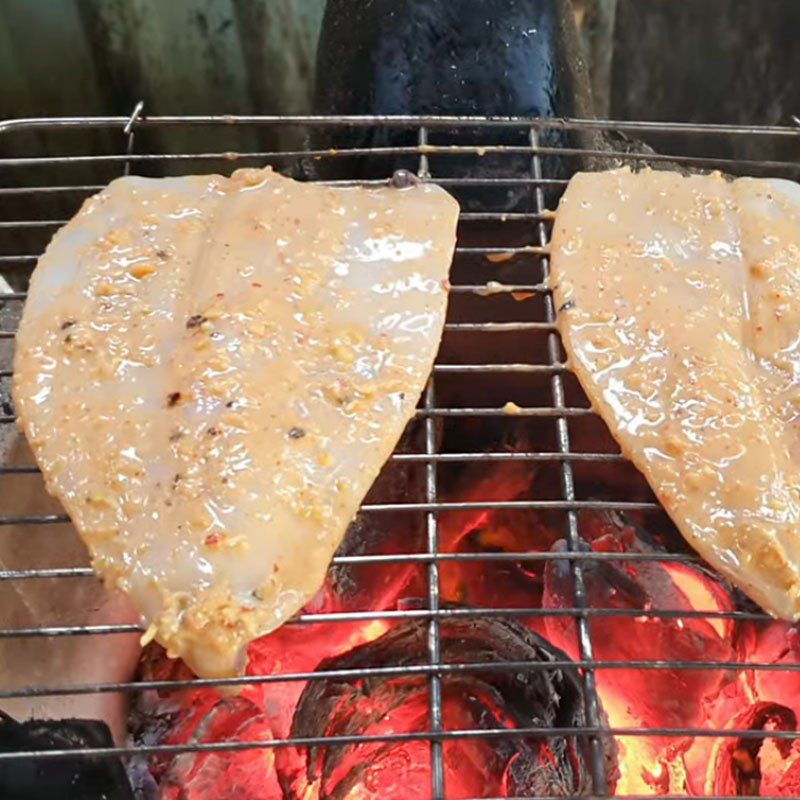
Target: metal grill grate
<point>39,192</point>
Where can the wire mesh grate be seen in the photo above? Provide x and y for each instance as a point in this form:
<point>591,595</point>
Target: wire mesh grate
<point>501,367</point>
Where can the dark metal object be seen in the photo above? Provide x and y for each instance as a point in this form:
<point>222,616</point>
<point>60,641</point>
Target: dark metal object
<point>512,346</point>
<point>74,778</point>
<point>489,57</point>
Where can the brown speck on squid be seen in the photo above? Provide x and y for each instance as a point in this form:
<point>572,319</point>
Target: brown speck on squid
<point>195,321</point>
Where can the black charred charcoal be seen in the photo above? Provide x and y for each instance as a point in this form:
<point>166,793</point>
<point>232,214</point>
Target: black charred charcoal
<point>481,434</point>
<point>485,699</point>
<point>69,778</point>
<point>437,57</point>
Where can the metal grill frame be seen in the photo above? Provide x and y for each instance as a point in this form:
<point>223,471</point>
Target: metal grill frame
<point>558,411</point>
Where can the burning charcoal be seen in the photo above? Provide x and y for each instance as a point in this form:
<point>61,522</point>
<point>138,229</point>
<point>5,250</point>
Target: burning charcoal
<point>493,698</point>
<point>776,643</point>
<point>620,532</point>
<point>375,586</point>
<point>76,778</point>
<point>495,583</point>
<point>290,649</point>
<point>492,583</point>
<point>739,765</point>
<point>247,774</point>
<point>772,643</point>
<point>647,698</point>
<point>789,784</point>
<point>510,433</point>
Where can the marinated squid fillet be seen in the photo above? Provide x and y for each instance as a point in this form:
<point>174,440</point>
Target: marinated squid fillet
<point>679,308</point>
<point>211,372</point>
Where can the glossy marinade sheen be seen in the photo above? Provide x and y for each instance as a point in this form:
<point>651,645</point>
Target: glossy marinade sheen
<point>211,372</point>
<point>679,308</point>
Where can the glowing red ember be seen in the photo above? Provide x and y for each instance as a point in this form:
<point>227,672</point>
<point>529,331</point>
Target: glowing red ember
<point>624,597</point>
<point>383,705</point>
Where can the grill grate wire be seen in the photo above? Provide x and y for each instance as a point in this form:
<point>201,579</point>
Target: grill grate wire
<point>548,366</point>
<point>585,647</point>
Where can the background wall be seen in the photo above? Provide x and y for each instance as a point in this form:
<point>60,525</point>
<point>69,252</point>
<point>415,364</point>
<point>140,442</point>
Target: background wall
<point>182,56</point>
<point>726,60</point>
<point>693,60</point>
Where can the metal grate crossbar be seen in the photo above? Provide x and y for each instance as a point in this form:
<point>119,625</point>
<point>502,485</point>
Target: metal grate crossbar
<point>500,299</point>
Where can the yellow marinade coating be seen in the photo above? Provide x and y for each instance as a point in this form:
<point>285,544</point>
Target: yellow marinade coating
<point>211,372</point>
<point>679,308</point>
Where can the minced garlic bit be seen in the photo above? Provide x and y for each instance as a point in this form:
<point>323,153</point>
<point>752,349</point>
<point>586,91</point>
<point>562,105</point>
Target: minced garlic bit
<point>104,289</point>
<point>148,635</point>
<point>492,287</point>
<point>499,258</point>
<point>343,352</point>
<point>141,271</point>
<point>100,500</point>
